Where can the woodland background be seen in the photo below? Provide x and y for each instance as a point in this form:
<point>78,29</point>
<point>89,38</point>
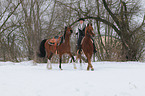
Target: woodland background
<point>118,24</point>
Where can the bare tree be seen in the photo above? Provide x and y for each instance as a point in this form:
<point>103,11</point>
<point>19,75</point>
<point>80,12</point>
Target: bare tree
<point>120,20</point>
<point>7,27</point>
<point>25,23</point>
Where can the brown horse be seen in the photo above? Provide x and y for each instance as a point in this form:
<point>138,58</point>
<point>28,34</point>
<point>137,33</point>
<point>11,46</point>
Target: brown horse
<point>62,48</point>
<point>87,45</point>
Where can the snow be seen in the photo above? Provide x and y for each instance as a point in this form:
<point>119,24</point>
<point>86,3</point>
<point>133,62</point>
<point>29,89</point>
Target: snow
<point>108,79</point>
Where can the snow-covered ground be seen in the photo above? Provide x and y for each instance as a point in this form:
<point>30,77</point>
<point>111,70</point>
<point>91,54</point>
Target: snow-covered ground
<point>108,79</point>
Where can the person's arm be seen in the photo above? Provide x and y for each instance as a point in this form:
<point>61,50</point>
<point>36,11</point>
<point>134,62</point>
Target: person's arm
<point>77,30</point>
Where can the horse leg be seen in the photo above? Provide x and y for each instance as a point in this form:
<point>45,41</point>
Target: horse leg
<point>90,65</point>
<point>80,60</point>
<point>49,66</point>
<point>60,60</point>
<point>73,60</point>
<point>89,62</point>
<point>92,69</point>
<point>79,57</point>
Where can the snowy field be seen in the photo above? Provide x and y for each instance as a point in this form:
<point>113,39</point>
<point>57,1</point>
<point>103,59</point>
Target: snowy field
<point>108,79</point>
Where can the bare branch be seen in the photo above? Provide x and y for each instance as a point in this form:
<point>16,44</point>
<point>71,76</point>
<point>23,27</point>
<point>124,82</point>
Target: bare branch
<point>10,15</point>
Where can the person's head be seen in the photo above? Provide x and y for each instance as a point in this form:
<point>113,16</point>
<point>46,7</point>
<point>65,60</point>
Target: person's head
<point>81,20</point>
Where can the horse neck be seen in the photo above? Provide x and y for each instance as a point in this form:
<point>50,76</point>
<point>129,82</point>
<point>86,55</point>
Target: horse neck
<point>87,35</point>
<point>67,38</point>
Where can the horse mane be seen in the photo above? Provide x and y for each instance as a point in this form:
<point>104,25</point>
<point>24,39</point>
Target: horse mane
<point>86,29</point>
<point>63,37</point>
<point>64,32</point>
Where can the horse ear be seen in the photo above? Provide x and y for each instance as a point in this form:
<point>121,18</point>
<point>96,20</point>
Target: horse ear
<point>65,27</point>
<point>87,24</point>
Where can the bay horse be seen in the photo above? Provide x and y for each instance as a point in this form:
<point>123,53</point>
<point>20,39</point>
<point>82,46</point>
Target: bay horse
<point>87,45</point>
<point>62,48</point>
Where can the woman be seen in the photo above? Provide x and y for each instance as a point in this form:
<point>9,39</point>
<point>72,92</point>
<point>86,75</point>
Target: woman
<point>80,34</point>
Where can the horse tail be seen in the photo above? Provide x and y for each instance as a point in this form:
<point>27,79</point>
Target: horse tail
<point>42,49</point>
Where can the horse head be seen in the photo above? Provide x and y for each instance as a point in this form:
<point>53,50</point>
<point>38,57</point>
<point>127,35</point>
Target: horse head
<point>89,30</point>
<point>68,30</point>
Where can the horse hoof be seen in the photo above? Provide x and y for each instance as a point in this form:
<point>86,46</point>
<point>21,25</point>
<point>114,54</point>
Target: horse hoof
<point>92,69</point>
<point>75,67</point>
<point>49,68</point>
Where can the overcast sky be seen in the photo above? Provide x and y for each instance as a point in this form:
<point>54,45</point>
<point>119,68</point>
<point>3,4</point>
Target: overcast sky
<point>143,4</point>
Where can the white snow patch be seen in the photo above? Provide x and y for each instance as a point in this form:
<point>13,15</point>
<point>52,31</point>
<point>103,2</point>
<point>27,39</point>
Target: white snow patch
<point>108,79</point>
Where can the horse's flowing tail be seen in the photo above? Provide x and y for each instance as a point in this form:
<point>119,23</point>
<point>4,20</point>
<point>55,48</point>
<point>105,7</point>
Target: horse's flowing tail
<point>42,49</point>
